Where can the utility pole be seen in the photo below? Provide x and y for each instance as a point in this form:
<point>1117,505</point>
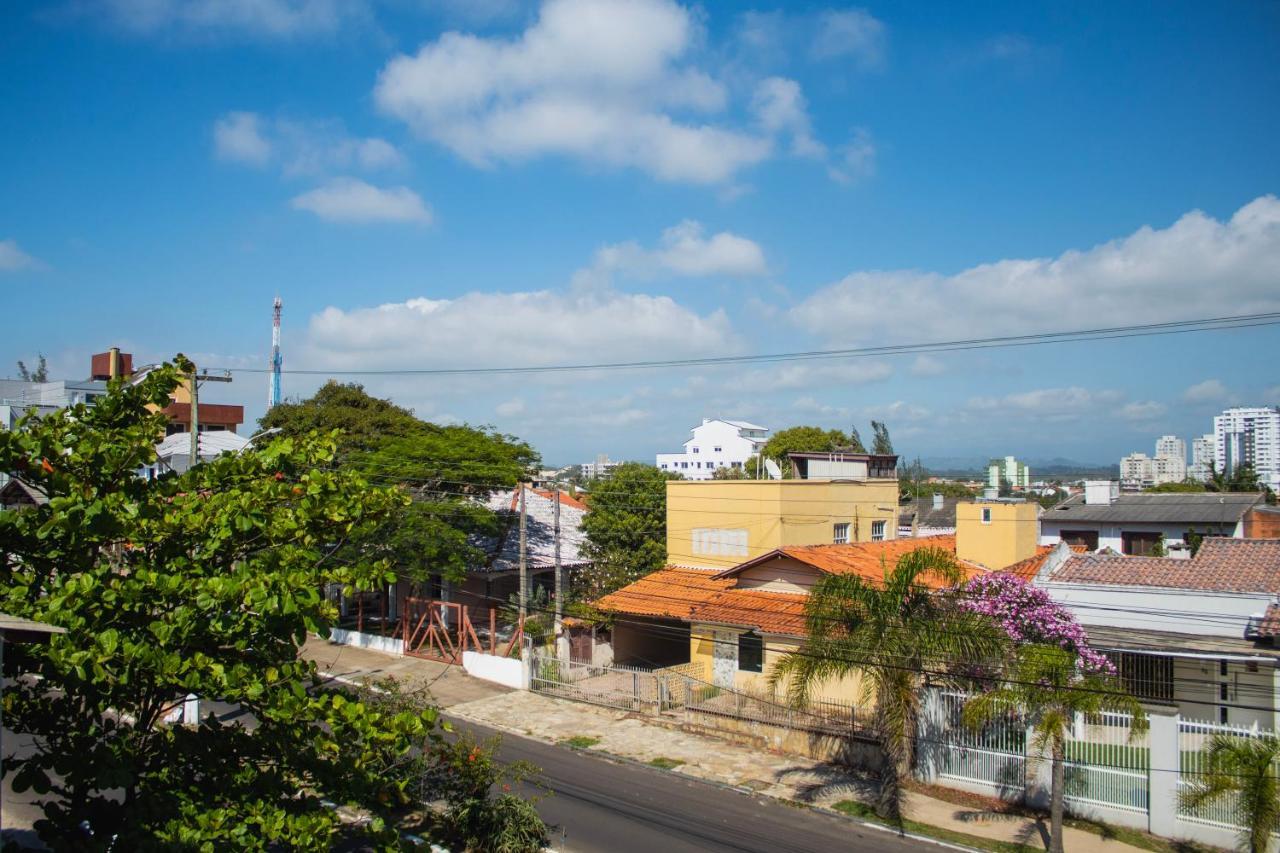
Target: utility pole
<point>524,563</point>
<point>555,496</point>
<point>196,379</point>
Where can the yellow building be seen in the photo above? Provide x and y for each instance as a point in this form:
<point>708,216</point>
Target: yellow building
<point>721,523</point>
<point>996,533</point>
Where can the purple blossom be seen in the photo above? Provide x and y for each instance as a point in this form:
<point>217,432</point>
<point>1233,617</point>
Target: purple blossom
<point>1028,615</point>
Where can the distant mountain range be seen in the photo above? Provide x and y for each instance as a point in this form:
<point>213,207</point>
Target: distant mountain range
<point>1057,468</point>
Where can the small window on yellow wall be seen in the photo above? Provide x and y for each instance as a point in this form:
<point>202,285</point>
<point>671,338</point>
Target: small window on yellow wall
<point>750,652</point>
<point>986,515</point>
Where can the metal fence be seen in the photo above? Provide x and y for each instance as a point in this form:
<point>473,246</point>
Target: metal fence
<point>818,716</point>
<point>615,686</point>
<point>996,755</point>
<point>1193,737</point>
<point>1108,763</point>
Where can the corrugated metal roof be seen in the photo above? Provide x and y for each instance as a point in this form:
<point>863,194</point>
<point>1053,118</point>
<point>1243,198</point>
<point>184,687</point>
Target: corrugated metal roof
<point>1184,508</point>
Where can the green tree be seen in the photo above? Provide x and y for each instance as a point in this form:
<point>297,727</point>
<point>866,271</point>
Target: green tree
<point>890,632</point>
<point>1185,486</point>
<point>40,374</point>
<point>626,527</point>
<point>443,468</point>
<point>881,443</point>
<point>1244,769</point>
<point>802,439</point>
<point>728,472</point>
<point>202,583</point>
<point>1046,684</point>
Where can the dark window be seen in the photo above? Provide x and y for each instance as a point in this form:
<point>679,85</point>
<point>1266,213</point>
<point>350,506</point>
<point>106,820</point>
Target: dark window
<point>1138,543</point>
<point>1222,667</point>
<point>1222,716</point>
<point>1081,538</point>
<point>1222,692</point>
<point>750,652</point>
<point>1145,676</point>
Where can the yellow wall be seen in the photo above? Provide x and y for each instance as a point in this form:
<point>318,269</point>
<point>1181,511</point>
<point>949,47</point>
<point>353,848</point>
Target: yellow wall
<point>844,690</point>
<point>1011,535</point>
<point>774,513</point>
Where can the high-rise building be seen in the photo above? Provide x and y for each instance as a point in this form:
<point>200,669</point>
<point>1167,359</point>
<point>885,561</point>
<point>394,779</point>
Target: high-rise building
<point>1171,447</point>
<point>1169,465</point>
<point>1249,435</point>
<point>1008,470</point>
<point>1202,458</point>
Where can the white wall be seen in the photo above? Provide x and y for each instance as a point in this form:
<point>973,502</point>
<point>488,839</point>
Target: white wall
<point>508,672</point>
<point>706,438</point>
<point>1109,535</point>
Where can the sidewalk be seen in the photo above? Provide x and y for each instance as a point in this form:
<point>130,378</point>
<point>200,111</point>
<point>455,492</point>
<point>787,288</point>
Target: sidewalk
<point>623,734</point>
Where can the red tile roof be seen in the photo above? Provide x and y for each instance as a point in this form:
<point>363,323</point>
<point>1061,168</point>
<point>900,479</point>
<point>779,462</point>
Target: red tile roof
<point>671,592</point>
<point>1270,625</point>
<point>1030,567</point>
<point>1221,565</point>
<point>867,560</point>
<point>767,612</point>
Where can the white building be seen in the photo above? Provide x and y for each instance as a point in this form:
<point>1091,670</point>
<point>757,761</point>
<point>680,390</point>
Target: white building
<point>1169,465</point>
<point>598,470</point>
<point>1202,457</point>
<point>1249,436</point>
<point>715,444</point>
<point>1009,470</point>
<point>1171,447</point>
<point>1137,471</point>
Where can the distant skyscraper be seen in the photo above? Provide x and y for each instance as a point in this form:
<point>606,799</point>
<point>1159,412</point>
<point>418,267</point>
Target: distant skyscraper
<point>1171,447</point>
<point>1202,456</point>
<point>273,393</point>
<point>1249,435</point>
<point>1008,470</point>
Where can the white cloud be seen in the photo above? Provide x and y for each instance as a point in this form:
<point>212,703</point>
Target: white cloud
<point>682,250</point>
<point>299,147</point>
<point>526,328</point>
<point>927,365</point>
<point>1208,391</point>
<point>1188,270</point>
<point>351,200</point>
<point>1142,411</point>
<point>237,136</point>
<point>607,82</point>
<point>1046,403</point>
<point>258,18</point>
<point>13,259</point>
<point>780,107</point>
<point>853,33</point>
<point>825,374</point>
<point>855,160</point>
<point>510,408</point>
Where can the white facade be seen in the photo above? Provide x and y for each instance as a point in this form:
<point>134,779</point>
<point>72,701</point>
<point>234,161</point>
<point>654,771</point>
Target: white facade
<point>1171,447</point>
<point>715,444</point>
<point>1017,474</point>
<point>1249,436</point>
<point>1202,457</point>
<point>601,468</point>
<point>1169,465</point>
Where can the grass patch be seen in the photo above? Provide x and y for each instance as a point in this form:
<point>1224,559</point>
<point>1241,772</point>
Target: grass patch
<point>1135,837</point>
<point>580,742</point>
<point>664,763</point>
<point>862,811</point>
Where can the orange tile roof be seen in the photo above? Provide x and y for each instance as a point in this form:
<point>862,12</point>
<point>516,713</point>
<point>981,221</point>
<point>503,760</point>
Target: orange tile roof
<point>867,560</point>
<point>1028,569</point>
<point>1221,565</point>
<point>672,592</point>
<point>767,612</point>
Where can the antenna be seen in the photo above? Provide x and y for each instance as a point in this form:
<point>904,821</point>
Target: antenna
<point>273,392</point>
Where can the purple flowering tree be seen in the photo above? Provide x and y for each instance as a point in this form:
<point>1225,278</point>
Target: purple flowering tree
<point>1029,615</point>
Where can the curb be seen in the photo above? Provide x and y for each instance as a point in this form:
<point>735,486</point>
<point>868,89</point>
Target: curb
<point>724,786</point>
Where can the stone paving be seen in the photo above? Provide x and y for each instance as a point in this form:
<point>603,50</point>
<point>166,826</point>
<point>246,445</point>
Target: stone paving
<point>448,685</point>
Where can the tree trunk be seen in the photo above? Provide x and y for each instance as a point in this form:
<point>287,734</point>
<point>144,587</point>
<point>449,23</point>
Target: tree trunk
<point>895,746</point>
<point>1055,797</point>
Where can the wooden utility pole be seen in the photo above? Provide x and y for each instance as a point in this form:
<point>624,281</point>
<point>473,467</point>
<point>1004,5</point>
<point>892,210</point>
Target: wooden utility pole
<point>555,496</point>
<point>524,563</point>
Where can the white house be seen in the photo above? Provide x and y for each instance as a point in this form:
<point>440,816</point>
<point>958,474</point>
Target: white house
<point>715,444</point>
<point>1196,633</point>
<point>1132,524</point>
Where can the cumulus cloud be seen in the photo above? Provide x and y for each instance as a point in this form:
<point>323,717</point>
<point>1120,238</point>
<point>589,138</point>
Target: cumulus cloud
<point>352,200</point>
<point>13,259</point>
<point>683,250</point>
<point>927,365</point>
<point>780,107</point>
<point>851,33</point>
<point>500,329</point>
<point>855,160</point>
<point>825,374</point>
<point>1188,270</point>
<point>1046,403</point>
<point>1142,410</point>
<point>608,82</point>
<point>1208,391</point>
<point>278,19</point>
<point>299,147</point>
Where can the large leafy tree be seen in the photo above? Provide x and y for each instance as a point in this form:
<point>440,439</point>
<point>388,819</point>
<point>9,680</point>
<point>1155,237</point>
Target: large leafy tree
<point>1048,686</point>
<point>202,583</point>
<point>443,468</point>
<point>1246,769</point>
<point>626,527</point>
<point>805,439</point>
<point>891,632</point>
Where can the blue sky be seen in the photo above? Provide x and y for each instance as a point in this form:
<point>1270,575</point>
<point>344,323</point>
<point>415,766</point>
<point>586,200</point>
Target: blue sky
<point>431,184</point>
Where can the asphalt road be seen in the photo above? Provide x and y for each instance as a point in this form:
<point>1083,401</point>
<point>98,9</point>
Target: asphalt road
<point>608,807</point>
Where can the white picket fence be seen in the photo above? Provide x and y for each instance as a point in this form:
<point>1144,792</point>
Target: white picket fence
<point>1193,736</point>
<point>995,756</point>
<point>1108,764</point>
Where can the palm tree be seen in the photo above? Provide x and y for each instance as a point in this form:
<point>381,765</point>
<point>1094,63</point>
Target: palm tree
<point>1245,767</point>
<point>890,632</point>
<point>1048,686</point>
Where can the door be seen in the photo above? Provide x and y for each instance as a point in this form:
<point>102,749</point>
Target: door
<point>724,658</point>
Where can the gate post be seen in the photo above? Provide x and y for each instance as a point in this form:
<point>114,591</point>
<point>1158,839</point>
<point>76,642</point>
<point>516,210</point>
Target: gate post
<point>1163,774</point>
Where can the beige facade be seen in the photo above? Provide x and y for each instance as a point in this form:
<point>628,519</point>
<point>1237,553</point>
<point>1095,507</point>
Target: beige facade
<point>996,533</point>
<point>722,523</point>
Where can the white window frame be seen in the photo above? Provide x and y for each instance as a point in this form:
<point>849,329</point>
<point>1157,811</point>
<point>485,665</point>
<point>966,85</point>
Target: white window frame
<point>878,529</point>
<point>840,533</point>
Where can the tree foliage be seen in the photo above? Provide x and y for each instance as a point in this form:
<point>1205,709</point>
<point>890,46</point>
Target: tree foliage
<point>443,468</point>
<point>881,443</point>
<point>626,527</point>
<point>1047,686</point>
<point>802,439</point>
<point>890,632</point>
<point>39,374</point>
<point>1243,769</point>
<point>202,583</point>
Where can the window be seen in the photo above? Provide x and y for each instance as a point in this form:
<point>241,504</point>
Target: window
<point>1145,676</point>
<point>1222,668</point>
<point>986,515</point>
<point>695,450</point>
<point>1087,539</point>
<point>716,449</point>
<point>1138,543</point>
<point>877,531</point>
<point>720,541</point>
<point>1222,715</point>
<point>840,533</point>
<point>1222,692</point>
<point>750,652</point>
